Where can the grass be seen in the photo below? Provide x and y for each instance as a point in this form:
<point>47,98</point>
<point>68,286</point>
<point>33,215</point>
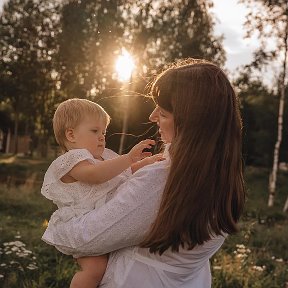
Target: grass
<point>255,257</point>
<point>23,216</point>
<point>258,255</point>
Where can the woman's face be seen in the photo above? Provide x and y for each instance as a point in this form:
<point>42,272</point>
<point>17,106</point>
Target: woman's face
<point>165,122</point>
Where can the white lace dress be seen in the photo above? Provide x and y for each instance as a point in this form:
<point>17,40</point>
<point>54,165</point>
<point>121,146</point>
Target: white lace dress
<point>77,198</point>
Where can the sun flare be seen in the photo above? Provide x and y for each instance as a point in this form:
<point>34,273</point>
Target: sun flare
<point>124,66</point>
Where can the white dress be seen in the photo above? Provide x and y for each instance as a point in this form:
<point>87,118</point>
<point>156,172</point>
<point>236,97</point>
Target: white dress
<point>120,225</point>
<point>77,198</point>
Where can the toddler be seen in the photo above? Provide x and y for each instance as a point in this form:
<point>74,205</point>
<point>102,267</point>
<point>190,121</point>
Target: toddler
<point>79,127</point>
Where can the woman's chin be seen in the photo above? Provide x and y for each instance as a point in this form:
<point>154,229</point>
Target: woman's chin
<point>165,141</point>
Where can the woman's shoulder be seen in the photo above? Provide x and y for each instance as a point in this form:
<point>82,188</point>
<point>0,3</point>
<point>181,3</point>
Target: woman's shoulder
<point>155,172</point>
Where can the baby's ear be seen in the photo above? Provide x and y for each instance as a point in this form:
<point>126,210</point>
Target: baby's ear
<point>69,133</point>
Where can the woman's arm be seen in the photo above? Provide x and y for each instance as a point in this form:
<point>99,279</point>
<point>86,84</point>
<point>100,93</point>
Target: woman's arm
<point>124,220</point>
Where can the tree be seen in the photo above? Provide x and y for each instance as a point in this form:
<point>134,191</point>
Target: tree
<point>162,31</point>
<point>270,19</point>
<point>70,51</point>
<point>90,31</point>
<point>28,30</point>
<point>155,32</point>
<point>259,111</point>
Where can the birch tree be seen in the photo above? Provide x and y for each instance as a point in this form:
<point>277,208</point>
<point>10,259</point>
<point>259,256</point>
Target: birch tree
<point>269,19</point>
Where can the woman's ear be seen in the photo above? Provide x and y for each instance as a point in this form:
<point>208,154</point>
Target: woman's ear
<point>70,136</point>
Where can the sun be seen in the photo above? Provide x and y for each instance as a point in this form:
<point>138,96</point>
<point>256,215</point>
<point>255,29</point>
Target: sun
<point>124,66</point>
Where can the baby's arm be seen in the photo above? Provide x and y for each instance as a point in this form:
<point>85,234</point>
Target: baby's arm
<point>87,172</point>
<point>92,271</point>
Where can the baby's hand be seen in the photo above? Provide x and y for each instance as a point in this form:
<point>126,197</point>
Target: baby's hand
<point>137,153</point>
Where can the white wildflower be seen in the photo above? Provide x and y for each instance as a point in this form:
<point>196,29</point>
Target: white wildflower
<point>32,267</point>
<point>258,268</point>
<point>18,243</point>
<point>241,255</point>
<point>240,246</point>
<point>14,249</point>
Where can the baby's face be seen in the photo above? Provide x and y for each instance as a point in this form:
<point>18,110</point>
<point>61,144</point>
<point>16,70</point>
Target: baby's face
<point>90,135</point>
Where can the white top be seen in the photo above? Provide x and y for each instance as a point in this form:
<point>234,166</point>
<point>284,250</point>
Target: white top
<point>122,222</point>
<point>77,198</point>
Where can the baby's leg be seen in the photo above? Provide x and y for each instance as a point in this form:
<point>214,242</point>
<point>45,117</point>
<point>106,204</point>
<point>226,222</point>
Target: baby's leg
<point>93,269</point>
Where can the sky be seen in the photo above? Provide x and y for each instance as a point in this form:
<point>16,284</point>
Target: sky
<point>230,18</point>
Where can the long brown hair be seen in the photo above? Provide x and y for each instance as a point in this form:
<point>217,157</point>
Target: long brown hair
<point>204,194</point>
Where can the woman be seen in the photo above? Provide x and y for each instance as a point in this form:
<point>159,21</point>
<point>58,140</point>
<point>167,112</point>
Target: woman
<point>170,217</point>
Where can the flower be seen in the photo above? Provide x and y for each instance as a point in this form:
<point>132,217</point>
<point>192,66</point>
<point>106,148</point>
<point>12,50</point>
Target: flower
<point>259,268</point>
<point>32,266</point>
<point>16,257</point>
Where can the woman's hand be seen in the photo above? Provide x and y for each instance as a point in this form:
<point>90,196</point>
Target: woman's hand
<point>147,161</point>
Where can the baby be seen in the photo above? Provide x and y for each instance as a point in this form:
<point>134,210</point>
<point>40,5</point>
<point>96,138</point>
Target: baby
<point>79,127</point>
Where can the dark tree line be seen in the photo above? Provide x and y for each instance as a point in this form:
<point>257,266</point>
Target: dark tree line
<point>51,51</point>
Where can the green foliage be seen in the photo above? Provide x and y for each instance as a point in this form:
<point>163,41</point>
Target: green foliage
<point>156,33</point>
<point>259,109</point>
<point>268,20</point>
<point>57,50</point>
<point>28,46</point>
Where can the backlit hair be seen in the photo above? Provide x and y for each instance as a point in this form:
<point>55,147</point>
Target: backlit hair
<point>204,194</point>
<point>71,112</point>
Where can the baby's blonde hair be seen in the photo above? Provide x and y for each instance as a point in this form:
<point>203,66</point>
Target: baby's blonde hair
<point>70,113</point>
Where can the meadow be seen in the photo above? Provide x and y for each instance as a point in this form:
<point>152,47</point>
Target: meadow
<point>255,257</point>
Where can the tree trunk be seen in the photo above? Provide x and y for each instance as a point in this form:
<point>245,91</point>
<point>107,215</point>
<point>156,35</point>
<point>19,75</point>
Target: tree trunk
<point>285,209</point>
<point>8,139</point>
<point>16,124</point>
<point>273,174</point>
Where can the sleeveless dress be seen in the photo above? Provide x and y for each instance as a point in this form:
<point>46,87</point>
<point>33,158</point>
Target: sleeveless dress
<point>77,198</point>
